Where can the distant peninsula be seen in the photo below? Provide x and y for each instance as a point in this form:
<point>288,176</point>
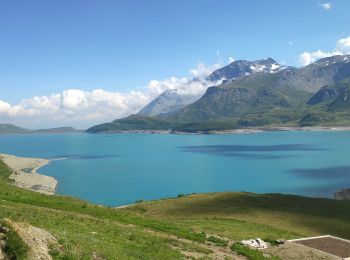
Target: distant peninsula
<point>13,129</point>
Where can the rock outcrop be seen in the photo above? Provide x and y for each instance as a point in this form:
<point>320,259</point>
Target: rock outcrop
<point>3,236</point>
<point>38,240</point>
<point>255,243</point>
<point>343,194</point>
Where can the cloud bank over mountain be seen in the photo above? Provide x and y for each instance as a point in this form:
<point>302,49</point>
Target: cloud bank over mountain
<point>342,47</point>
<point>81,109</point>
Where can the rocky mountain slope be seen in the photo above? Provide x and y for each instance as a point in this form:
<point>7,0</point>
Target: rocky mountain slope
<point>167,102</point>
<point>333,97</point>
<point>260,93</point>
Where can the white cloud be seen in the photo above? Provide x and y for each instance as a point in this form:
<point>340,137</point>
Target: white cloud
<point>202,71</point>
<point>290,43</point>
<point>71,107</point>
<point>326,6</point>
<point>82,109</point>
<point>309,57</point>
<point>231,59</point>
<point>342,47</point>
<point>4,107</point>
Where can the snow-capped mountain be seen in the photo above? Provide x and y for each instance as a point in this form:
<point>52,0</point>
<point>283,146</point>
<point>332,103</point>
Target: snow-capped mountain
<point>171,100</point>
<point>243,68</point>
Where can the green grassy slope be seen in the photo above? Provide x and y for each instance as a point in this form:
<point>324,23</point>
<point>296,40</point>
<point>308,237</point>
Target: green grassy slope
<point>242,215</point>
<point>133,122</point>
<point>161,229</point>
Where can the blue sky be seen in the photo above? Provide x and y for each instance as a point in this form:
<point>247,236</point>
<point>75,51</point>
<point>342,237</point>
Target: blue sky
<point>50,46</point>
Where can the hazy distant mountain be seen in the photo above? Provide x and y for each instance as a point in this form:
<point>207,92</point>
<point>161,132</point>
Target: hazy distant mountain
<point>167,102</point>
<point>57,130</point>
<point>243,68</point>
<point>317,94</point>
<point>13,129</point>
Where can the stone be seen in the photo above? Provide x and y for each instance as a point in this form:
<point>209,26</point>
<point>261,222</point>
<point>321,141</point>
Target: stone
<point>2,255</point>
<point>4,229</point>
<point>38,240</point>
<point>96,256</point>
<point>343,194</point>
<point>255,243</point>
<point>2,244</point>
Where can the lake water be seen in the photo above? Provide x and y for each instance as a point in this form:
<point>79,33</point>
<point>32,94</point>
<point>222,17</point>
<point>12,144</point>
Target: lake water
<point>120,169</point>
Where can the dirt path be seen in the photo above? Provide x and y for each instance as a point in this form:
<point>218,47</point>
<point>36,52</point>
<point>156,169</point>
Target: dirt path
<point>293,251</point>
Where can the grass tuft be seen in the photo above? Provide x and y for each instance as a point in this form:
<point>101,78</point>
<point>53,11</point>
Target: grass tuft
<point>218,241</point>
<point>15,248</point>
<point>251,254</point>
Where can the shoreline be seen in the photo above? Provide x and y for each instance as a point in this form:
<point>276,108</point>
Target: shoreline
<point>24,174</point>
<point>250,130</point>
<point>282,129</point>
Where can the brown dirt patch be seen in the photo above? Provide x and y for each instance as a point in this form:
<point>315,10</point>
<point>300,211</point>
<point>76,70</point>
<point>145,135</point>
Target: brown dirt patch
<point>330,245</point>
<point>294,251</point>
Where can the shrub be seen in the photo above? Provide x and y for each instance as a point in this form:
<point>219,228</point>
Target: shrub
<point>218,241</point>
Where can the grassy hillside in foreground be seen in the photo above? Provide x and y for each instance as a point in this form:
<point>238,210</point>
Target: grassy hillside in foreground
<point>166,228</point>
<point>242,215</point>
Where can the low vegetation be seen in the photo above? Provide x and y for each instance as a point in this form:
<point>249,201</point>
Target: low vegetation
<point>218,241</point>
<point>14,247</point>
<point>251,254</point>
<point>246,215</point>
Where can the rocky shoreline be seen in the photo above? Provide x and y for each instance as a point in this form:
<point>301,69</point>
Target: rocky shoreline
<point>269,129</point>
<point>25,175</point>
<point>251,130</point>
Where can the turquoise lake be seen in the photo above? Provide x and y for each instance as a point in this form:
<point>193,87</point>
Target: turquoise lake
<point>122,168</point>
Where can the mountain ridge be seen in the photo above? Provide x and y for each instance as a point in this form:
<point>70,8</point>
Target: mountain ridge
<point>265,99</point>
<point>243,68</point>
<point>171,100</point>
